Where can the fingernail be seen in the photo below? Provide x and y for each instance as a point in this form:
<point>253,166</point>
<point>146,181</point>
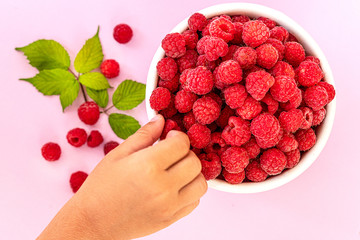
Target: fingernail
<point>155,118</point>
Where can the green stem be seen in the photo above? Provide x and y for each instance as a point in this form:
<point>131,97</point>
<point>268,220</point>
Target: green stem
<point>105,110</point>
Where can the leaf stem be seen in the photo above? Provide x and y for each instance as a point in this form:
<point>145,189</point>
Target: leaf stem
<point>81,86</point>
<point>105,110</point>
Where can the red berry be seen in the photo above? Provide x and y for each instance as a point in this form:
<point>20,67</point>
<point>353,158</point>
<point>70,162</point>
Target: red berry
<point>268,22</point>
<point>235,95</point>
<point>229,72</point>
<point>214,48</point>
<point>271,104</point>
<point>197,22</point>
<point>279,46</point>
<point>250,109</point>
<point>294,53</point>
<point>167,68</point>
<point>252,148</point>
<point>294,101</point>
<point>217,144</point>
<point>225,114</point>
<point>51,151</point>
<point>202,61</point>
<point>233,178</point>
<point>316,97</point>
<point>308,117</point>
<point>89,113</point>
<point>279,33</point>
<point>199,135</point>
<point>206,110</point>
<point>235,159</point>
<point>191,39</point>
<point>267,56</point>
<point>110,68</point>
<point>265,126</point>
<point>169,125</point>
<point>265,143</point>
<point>76,137</point>
<point>255,33</point>
<point>172,85</point>
<point>255,173</point>
<point>239,27</point>
<point>293,158</point>
<point>329,89</point>
<point>160,98</point>
<point>283,68</point>
<point>291,120</point>
<point>188,60</point>
<point>283,89</point>
<point>237,132</point>
<point>230,53</point>
<point>122,33</point>
<point>287,143</point>
<point>306,139</point>
<point>110,146</point>
<point>77,179</point>
<point>95,139</point>
<point>174,45</point>
<point>189,120</point>
<point>312,59</point>
<point>318,116</point>
<point>240,18</point>
<point>211,165</point>
<point>258,84</point>
<point>308,74</point>
<point>170,111</point>
<point>200,80</point>
<point>222,28</point>
<point>246,57</point>
<point>184,101</point>
<point>273,161</point>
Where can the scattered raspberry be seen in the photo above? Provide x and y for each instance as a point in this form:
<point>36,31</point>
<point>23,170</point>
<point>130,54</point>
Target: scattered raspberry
<point>199,135</point>
<point>316,97</point>
<point>51,151</point>
<point>265,143</point>
<point>229,72</point>
<point>170,111</point>
<point>184,101</point>
<point>235,159</point>
<point>237,132</point>
<point>76,137</point>
<point>246,57</point>
<point>312,59</point>
<point>287,143</point>
<point>172,85</point>
<point>188,60</point>
<point>95,139</point>
<point>265,126</point>
<point>252,148</point>
<point>278,45</point>
<point>206,110</point>
<point>279,33</point>
<point>77,179</point>
<point>235,95</point>
<point>268,22</point>
<point>174,45</point>
<point>307,119</point>
<point>283,89</point>
<point>258,83</point>
<point>169,125</point>
<point>238,33</point>
<point>233,178</point>
<point>293,158</point>
<point>110,146</point>
<point>197,22</point>
<point>250,109</point>
<point>282,68</point>
<point>211,165</point>
<point>189,120</point>
<point>241,19</point>
<point>167,68</point>
<point>267,56</point>
<point>191,39</point>
<point>255,33</point>
<point>329,89</point>
<point>306,139</point>
<point>200,80</point>
<point>122,33</point>
<point>110,68</point>
<point>230,53</point>
<point>292,120</point>
<point>89,113</point>
<point>214,48</point>
<point>294,53</point>
<point>271,105</point>
<point>318,116</point>
<point>222,28</point>
<point>217,144</point>
<point>255,173</point>
<point>160,98</point>
<point>225,114</point>
<point>292,38</point>
<point>308,74</point>
<point>202,61</point>
<point>273,161</point>
<point>294,101</point>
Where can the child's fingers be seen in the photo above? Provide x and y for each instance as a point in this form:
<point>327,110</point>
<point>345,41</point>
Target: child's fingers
<point>193,191</point>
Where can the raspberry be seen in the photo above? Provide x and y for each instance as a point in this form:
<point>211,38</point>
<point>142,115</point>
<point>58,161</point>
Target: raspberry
<point>225,114</point>
<point>172,85</point>
<point>316,97</point>
<point>167,68</point>
<point>246,57</point>
<point>287,143</point>
<point>110,146</point>
<point>307,118</point>
<point>110,68</point>
<point>95,139</point>
<point>278,45</point>
<point>283,89</point>
<point>306,139</point>
<point>312,59</point>
<point>214,48</point>
<point>230,53</point>
<point>229,72</point>
<point>251,70</point>
<point>222,28</point>
<point>160,98</point>
<point>293,158</point>
<point>318,116</point>
<point>265,143</point>
<point>206,110</point>
<point>238,33</point>
<point>197,22</point>
<point>291,120</point>
<point>199,135</point>
<point>77,179</point>
<point>255,33</point>
<point>216,97</point>
<point>76,137</point>
<point>308,74</point>
<point>188,60</point>
<point>200,80</point>
<point>268,22</point>
<point>252,148</point>
<point>233,178</point>
<point>250,109</point>
<point>235,95</point>
<point>89,113</point>
<point>191,39</point>
<point>205,31</point>
<point>170,110</point>
<point>282,68</point>
<point>183,76</point>
<point>294,53</point>
<point>254,172</point>
<point>273,161</point>
<point>174,45</point>
<point>184,101</point>
<point>271,105</point>
<point>202,61</point>
<point>240,18</point>
<point>178,118</point>
<point>51,151</point>
<point>292,38</point>
<point>294,101</point>
<point>200,46</point>
<point>218,84</point>
<point>189,120</point>
<point>279,33</point>
<point>258,83</point>
<point>265,126</point>
<point>329,89</point>
<point>211,165</point>
<point>169,125</point>
<point>267,56</point>
<point>217,144</point>
<point>237,132</point>
<point>235,159</point>
<point>122,33</point>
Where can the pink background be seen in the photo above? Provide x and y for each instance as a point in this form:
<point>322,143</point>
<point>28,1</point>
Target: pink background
<point>323,203</point>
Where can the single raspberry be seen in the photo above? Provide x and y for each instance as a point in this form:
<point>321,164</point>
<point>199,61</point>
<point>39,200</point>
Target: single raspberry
<point>294,53</point>
<point>237,132</point>
<point>160,98</point>
<point>329,89</point>
<point>240,18</point>
<point>215,97</point>
<point>167,68</point>
<point>189,120</point>
<point>252,148</point>
<point>308,74</point>
<point>246,57</point>
<point>122,33</point>
<point>279,33</point>
<point>235,95</point>
<point>172,85</point>
<point>191,39</point>
<point>222,28</point>
<point>214,48</point>
<point>287,143</point>
<point>225,114</point>
<point>219,84</point>
<point>267,56</point>
<point>306,139</point>
<point>77,179</point>
<point>255,33</point>
<point>229,72</point>
<point>89,113</point>
<point>239,27</point>
<point>270,105</point>
<point>188,60</point>
<point>169,125</point>
<point>110,68</point>
<point>51,151</point>
<point>211,165</point>
<point>293,158</point>
<point>292,38</point>
<point>278,45</point>
<point>283,89</point>
<point>265,126</point>
<point>235,159</point>
<point>201,44</point>
<point>283,68</point>
<point>255,68</point>
<point>273,161</point>
<point>94,139</point>
<point>170,110</point>
<point>230,53</point>
<point>254,172</point>
<point>233,178</point>
<point>199,135</point>
<point>318,116</point>
<point>202,61</point>
<point>294,101</point>
<point>308,118</point>
<point>266,142</point>
<point>200,80</point>
<point>184,101</point>
<point>316,97</point>
<point>258,83</point>
<point>76,137</point>
<point>110,146</point>
<point>183,76</point>
<point>205,31</point>
<point>250,109</point>
<point>206,110</point>
<point>268,22</point>
<point>217,144</point>
<point>197,22</point>
<point>174,45</point>
<point>312,59</point>
<point>291,120</point>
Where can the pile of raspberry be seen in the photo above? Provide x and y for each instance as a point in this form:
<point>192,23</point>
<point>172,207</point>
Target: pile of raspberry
<point>246,93</point>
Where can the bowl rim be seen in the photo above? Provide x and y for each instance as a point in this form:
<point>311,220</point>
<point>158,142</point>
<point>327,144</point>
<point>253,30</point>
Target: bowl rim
<point>311,47</point>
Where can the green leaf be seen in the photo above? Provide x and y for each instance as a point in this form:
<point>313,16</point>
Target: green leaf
<point>52,82</point>
<point>46,54</point>
<point>101,97</point>
<point>90,56</point>
<point>94,80</point>
<point>128,95</point>
<point>123,125</point>
<point>69,94</point>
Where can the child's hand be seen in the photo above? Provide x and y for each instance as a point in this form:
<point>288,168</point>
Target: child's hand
<point>137,189</point>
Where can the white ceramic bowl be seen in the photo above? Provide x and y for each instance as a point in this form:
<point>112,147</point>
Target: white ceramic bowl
<point>311,47</point>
